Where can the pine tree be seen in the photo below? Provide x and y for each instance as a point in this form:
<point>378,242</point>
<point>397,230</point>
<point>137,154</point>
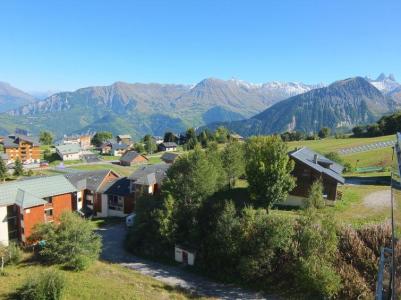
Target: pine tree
<point>18,169</point>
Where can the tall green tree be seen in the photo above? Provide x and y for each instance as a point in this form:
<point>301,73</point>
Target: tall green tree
<point>18,167</point>
<point>324,132</point>
<point>100,137</point>
<point>268,170</point>
<point>233,161</point>
<point>170,137</point>
<point>73,242</point>
<point>3,170</point>
<point>315,197</point>
<point>150,144</point>
<point>46,138</point>
<point>191,139</point>
<point>222,134</point>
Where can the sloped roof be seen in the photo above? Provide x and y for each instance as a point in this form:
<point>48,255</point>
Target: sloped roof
<point>306,156</point>
<point>169,144</point>
<point>169,156</point>
<point>68,149</point>
<point>30,192</point>
<point>89,180</point>
<point>152,174</point>
<point>120,187</point>
<point>118,146</point>
<point>124,136</point>
<point>12,141</point>
<point>129,156</point>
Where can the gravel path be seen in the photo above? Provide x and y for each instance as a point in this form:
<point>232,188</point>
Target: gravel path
<point>379,199</point>
<point>113,251</point>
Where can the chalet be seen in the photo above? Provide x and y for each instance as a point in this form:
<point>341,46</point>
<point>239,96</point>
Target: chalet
<point>25,203</point>
<point>26,148</point>
<point>158,139</point>
<point>90,186</point>
<point>69,151</point>
<point>119,201</point>
<point>168,146</point>
<point>148,180</point>
<point>169,157</point>
<point>124,139</point>
<point>309,167</point>
<point>113,148</point>
<point>131,158</point>
<point>237,137</point>
<point>184,255</point>
<point>83,140</point>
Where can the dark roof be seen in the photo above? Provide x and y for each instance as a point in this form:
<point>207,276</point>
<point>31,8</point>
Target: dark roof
<point>323,165</point>
<point>129,156</point>
<point>90,180</point>
<point>168,144</point>
<point>12,141</point>
<point>151,174</point>
<point>119,146</point>
<point>120,187</point>
<point>169,156</point>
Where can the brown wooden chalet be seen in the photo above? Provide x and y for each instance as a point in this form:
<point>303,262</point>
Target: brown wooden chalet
<point>309,167</point>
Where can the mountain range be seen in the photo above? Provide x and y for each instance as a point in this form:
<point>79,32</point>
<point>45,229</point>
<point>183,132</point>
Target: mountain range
<point>148,108</point>
<point>244,107</point>
<point>341,105</point>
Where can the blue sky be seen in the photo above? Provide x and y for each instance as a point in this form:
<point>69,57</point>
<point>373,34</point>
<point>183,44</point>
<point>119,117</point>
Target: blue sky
<point>65,45</point>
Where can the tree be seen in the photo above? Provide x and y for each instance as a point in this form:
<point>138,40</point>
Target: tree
<point>191,139</point>
<point>18,168</point>
<point>3,170</point>
<point>170,137</point>
<point>315,198</point>
<point>324,132</point>
<point>139,147</point>
<point>358,131</point>
<point>150,144</point>
<point>222,134</point>
<point>100,137</point>
<point>233,162</point>
<point>46,138</point>
<point>73,242</point>
<point>268,170</point>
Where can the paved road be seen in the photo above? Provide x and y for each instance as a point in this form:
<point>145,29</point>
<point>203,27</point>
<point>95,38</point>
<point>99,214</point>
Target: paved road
<point>367,147</point>
<point>113,251</point>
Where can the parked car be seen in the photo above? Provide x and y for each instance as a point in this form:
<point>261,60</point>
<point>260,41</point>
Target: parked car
<point>129,220</point>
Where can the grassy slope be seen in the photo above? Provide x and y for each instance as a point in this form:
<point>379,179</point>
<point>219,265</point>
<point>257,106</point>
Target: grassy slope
<point>100,281</point>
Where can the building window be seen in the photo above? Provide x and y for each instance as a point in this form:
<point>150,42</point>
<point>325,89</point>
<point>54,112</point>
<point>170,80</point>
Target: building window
<point>116,202</point>
<point>49,212</point>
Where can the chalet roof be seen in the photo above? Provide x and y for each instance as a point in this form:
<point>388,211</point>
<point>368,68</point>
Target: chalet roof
<point>323,165</point>
<point>129,156</point>
<point>118,146</point>
<point>12,141</point>
<point>68,149</point>
<point>169,156</point>
<point>119,187</point>
<point>151,174</point>
<point>169,144</point>
<point>88,180</point>
<point>30,192</point>
<point>124,136</point>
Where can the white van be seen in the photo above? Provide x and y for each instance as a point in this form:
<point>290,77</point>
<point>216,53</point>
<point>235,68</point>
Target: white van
<point>129,220</point>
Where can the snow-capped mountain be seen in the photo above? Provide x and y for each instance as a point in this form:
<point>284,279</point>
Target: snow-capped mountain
<point>385,84</point>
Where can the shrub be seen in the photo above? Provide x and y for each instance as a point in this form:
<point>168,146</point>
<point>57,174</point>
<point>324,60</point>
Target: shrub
<point>48,285</point>
<point>315,198</point>
<point>14,253</point>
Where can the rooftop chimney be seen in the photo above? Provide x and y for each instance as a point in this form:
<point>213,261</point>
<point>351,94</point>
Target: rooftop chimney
<point>315,158</point>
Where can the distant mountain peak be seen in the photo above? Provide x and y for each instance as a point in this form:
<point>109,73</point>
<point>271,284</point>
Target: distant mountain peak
<point>383,77</point>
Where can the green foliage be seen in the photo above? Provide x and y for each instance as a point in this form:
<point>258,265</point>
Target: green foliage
<point>268,170</point>
<point>205,137</point>
<point>170,137</point>
<point>150,145</point>
<point>334,156</point>
<point>139,147</point>
<point>3,170</point>
<point>324,132</point>
<point>315,198</point>
<point>317,247</point>
<point>293,136</point>
<point>222,135</point>
<point>18,168</point>
<point>100,137</point>
<point>233,161</point>
<point>47,285</point>
<point>72,243</point>
<point>191,139</point>
<point>46,138</point>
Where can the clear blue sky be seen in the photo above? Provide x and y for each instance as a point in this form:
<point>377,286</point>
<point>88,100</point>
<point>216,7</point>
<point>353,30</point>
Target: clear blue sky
<point>65,45</point>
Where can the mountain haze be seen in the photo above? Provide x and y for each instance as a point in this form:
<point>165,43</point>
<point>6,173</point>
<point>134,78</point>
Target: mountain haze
<point>148,108</point>
<point>11,97</point>
<point>343,104</point>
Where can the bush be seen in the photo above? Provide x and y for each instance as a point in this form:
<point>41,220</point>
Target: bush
<point>14,253</point>
<point>48,285</point>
